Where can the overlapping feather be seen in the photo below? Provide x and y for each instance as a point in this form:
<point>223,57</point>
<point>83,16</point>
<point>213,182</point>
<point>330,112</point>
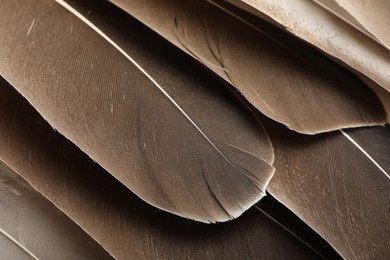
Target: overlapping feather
<point>272,78</point>
<point>32,228</point>
<point>123,224</point>
<point>179,158</point>
<point>313,24</point>
<point>188,143</point>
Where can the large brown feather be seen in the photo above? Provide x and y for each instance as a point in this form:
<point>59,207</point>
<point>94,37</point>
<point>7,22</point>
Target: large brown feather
<point>123,224</point>
<point>177,143</point>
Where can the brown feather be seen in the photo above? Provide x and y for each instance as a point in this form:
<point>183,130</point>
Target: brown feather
<point>124,225</point>
<point>277,82</point>
<point>176,145</point>
<point>33,228</point>
<point>335,188</point>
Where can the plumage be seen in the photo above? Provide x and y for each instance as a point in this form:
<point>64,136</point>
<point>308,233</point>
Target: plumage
<point>335,188</point>
<point>33,228</point>
<point>372,18</point>
<point>313,24</point>
<point>177,157</point>
<point>123,224</point>
<point>273,79</point>
<point>110,112</point>
<point>295,45</point>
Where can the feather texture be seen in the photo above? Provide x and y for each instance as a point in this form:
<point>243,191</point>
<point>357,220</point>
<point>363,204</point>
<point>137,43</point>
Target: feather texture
<point>371,17</point>
<point>124,225</point>
<point>270,77</point>
<point>296,46</point>
<point>315,25</point>
<point>169,156</point>
<point>336,188</point>
<point>165,126</point>
<point>32,228</point>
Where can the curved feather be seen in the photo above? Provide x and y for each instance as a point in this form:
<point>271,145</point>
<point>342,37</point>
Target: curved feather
<point>295,45</point>
<point>123,224</point>
<point>32,228</point>
<point>335,188</point>
<point>270,77</point>
<point>150,136</point>
<point>317,26</point>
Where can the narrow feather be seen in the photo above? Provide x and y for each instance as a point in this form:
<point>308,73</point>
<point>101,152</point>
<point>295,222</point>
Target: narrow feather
<point>123,224</point>
<point>315,25</point>
<point>33,228</point>
<point>335,188</point>
<point>105,102</point>
<point>270,77</point>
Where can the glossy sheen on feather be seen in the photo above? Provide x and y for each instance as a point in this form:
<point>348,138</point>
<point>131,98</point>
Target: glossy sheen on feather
<point>332,186</point>
<point>33,228</point>
<point>123,224</point>
<point>277,82</point>
<point>207,170</point>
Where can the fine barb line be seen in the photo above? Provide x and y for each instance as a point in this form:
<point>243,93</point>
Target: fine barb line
<point>365,153</point>
<point>288,230</point>
<point>102,34</point>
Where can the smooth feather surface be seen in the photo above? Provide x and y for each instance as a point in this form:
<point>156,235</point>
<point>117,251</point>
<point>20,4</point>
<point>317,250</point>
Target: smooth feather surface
<point>169,156</point>
<point>270,77</point>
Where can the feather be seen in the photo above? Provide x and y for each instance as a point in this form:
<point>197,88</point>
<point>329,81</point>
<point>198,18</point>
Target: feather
<point>337,185</point>
<point>295,45</point>
<point>32,228</point>
<point>334,8</point>
<point>286,219</point>
<point>270,77</point>
<point>11,250</point>
<point>315,25</point>
<point>49,48</point>
<point>371,17</point>
<point>123,224</point>
<point>157,140</point>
